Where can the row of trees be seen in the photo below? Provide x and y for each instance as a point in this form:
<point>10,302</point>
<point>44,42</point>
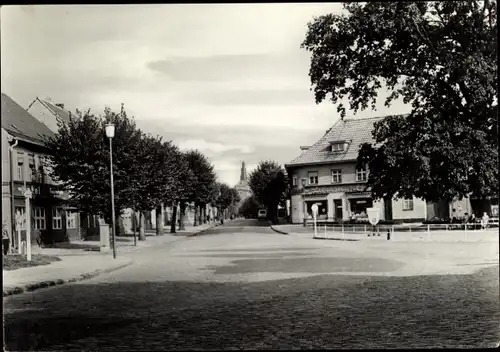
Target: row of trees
<point>148,171</point>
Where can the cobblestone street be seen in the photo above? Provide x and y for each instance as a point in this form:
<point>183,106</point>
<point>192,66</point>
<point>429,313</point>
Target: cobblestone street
<point>242,286</point>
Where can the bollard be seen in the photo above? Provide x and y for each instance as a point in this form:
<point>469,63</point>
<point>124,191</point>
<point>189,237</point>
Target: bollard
<point>388,234</point>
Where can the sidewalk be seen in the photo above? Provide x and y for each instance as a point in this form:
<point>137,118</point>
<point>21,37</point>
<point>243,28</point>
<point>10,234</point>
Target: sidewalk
<point>69,269</point>
<point>82,260</point>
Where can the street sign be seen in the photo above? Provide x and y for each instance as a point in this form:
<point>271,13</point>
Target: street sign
<point>373,215</point>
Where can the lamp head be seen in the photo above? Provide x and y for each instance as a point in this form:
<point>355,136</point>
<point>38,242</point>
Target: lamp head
<point>110,130</point>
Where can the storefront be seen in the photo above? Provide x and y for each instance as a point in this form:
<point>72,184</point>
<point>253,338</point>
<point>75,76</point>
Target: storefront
<point>359,202</point>
<point>322,208</point>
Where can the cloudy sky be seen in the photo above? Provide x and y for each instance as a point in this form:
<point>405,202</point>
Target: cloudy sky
<point>227,79</point>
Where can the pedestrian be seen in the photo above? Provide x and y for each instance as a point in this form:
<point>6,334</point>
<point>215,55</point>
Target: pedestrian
<point>484,221</point>
<point>5,239</point>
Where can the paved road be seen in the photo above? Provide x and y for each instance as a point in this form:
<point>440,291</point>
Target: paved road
<point>243,286</point>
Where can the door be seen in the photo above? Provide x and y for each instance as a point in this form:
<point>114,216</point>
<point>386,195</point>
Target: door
<point>338,209</point>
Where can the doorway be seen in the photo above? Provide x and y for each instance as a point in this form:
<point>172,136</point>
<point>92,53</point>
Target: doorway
<point>337,203</point>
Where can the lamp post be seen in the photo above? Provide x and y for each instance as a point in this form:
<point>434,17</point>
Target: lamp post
<point>110,133</point>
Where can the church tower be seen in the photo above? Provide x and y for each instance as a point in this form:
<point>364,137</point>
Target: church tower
<point>243,187</point>
<point>243,176</point>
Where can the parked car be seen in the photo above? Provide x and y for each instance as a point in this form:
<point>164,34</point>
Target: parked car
<point>262,214</point>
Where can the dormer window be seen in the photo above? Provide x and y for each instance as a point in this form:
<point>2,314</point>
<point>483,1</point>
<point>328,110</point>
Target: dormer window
<point>339,146</point>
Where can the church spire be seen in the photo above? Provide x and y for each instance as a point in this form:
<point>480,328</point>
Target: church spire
<point>243,176</point>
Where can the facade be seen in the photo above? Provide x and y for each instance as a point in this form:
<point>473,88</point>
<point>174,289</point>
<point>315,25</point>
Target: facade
<point>326,174</point>
<point>25,164</point>
<point>243,187</point>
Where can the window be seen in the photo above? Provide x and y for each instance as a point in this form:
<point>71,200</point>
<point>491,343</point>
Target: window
<point>39,218</point>
<point>31,168</point>
<point>71,219</point>
<point>407,204</point>
<point>304,182</point>
<point>313,178</point>
<point>360,174</point>
<point>294,181</point>
<point>20,218</point>
<point>337,147</point>
<point>20,166</point>
<point>57,218</point>
<point>336,176</point>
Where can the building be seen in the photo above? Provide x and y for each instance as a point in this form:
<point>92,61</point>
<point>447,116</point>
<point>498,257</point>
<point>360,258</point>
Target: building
<point>25,163</point>
<point>243,188</point>
<point>326,174</point>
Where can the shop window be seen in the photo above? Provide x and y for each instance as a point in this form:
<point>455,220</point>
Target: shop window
<point>57,218</point>
<point>313,177</point>
<point>336,176</point>
<point>361,174</point>
<point>407,204</point>
<point>322,208</point>
<point>359,208</point>
<point>39,217</point>
<point>71,219</point>
<point>21,218</point>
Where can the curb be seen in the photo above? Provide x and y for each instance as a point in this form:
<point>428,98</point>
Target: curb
<point>43,284</point>
<point>276,230</point>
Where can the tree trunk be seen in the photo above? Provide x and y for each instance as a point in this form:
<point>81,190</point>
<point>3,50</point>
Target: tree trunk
<point>182,215</point>
<point>142,233</point>
<point>159,220</point>
<point>200,213</point>
<point>134,225</point>
<point>205,214</point>
<point>195,222</point>
<point>173,218</point>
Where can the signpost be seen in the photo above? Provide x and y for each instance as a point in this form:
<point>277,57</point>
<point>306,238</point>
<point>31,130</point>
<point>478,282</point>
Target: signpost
<point>314,209</point>
<point>374,217</point>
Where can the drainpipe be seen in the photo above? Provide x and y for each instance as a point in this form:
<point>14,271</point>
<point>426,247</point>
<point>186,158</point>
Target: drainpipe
<point>12,207</point>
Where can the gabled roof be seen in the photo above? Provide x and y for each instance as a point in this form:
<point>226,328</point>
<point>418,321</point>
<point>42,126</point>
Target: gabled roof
<point>357,131</point>
<point>20,123</point>
<point>56,110</point>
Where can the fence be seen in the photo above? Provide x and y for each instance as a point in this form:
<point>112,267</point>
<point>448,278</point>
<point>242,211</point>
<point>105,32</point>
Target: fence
<point>326,230</point>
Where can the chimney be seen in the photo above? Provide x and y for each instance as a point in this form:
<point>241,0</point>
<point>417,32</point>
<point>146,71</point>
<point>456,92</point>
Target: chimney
<point>304,147</point>
<point>61,105</point>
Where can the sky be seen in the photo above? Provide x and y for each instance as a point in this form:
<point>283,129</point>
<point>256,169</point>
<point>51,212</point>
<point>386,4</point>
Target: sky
<point>227,79</point>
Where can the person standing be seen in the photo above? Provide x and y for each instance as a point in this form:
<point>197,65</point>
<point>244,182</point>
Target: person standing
<point>484,221</point>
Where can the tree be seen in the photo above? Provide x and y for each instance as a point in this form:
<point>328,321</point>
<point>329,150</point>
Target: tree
<point>185,192</point>
<point>269,184</point>
<point>80,160</point>
<point>205,177</point>
<point>250,207</point>
<point>225,199</point>
<point>155,178</point>
<point>440,57</point>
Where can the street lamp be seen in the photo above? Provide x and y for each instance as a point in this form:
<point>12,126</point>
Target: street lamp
<point>110,133</point>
